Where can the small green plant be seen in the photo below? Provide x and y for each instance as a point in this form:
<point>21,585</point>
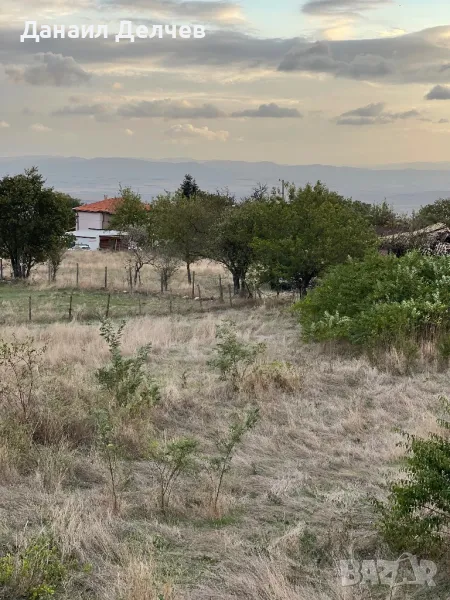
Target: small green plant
<point>171,459</point>
<point>220,464</point>
<point>20,360</point>
<point>36,571</point>
<point>110,452</point>
<point>125,378</point>
<point>233,356</point>
<point>416,515</point>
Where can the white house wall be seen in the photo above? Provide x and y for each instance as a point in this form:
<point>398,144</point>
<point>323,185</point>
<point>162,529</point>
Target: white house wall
<point>89,221</point>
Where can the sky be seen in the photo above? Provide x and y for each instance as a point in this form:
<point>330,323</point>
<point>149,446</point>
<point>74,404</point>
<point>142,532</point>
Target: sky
<point>343,82</point>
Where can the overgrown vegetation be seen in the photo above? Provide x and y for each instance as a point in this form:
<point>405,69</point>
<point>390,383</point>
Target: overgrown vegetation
<point>125,378</point>
<point>416,515</point>
<point>381,301</point>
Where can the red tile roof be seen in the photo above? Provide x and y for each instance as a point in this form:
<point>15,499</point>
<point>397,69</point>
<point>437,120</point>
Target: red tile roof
<point>109,206</point>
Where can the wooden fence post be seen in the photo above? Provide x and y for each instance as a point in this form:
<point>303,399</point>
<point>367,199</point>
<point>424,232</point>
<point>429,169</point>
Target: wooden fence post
<point>230,294</point>
<point>200,297</point>
<point>1,269</point>
<point>170,303</point>
<point>193,285</point>
<point>220,288</point>
<point>78,275</point>
<point>29,308</point>
<point>131,280</point>
<point>70,306</point>
<point>108,302</point>
<point>106,278</point>
<point>140,307</point>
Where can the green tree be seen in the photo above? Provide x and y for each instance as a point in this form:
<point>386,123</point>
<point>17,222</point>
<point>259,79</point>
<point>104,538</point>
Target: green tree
<point>231,238</point>
<point>189,187</point>
<point>33,221</point>
<point>185,223</point>
<point>438,212</point>
<point>130,212</point>
<point>314,228</point>
<point>72,203</point>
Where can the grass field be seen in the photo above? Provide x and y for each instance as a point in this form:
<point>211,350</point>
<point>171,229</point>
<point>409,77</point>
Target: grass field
<point>295,502</point>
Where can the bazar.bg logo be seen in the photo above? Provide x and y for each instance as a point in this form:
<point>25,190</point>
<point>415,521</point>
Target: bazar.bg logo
<point>407,570</point>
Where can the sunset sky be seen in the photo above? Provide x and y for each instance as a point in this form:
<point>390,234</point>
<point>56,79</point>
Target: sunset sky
<point>355,82</point>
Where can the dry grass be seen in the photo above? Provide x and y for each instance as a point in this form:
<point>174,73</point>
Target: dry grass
<point>294,503</point>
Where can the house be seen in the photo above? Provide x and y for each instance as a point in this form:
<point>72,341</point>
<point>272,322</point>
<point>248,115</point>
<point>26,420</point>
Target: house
<point>92,222</point>
<point>97,215</point>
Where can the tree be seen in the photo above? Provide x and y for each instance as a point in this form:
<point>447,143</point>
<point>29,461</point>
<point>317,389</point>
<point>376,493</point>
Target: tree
<point>438,212</point>
<point>33,221</point>
<point>72,203</point>
<point>186,223</point>
<point>56,254</point>
<point>189,187</point>
<point>298,238</point>
<point>231,240</point>
<point>130,212</point>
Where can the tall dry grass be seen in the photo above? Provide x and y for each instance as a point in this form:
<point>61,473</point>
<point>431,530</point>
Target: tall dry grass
<point>295,501</point>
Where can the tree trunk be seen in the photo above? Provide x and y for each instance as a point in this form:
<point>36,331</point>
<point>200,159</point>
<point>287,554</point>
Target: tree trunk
<point>236,283</point>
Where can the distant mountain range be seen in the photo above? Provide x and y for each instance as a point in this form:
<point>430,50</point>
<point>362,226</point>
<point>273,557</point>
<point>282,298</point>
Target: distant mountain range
<point>405,186</point>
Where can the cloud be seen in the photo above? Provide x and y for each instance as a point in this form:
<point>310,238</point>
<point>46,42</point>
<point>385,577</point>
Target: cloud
<point>101,112</point>
<point>4,125</point>
<point>169,109</point>
<point>271,110</point>
<point>374,114</point>
<point>189,132</point>
<point>50,69</point>
<point>39,128</point>
<point>204,10</point>
<point>320,58</point>
<point>341,7</point>
<point>371,110</point>
<point>439,92</point>
<point>420,57</point>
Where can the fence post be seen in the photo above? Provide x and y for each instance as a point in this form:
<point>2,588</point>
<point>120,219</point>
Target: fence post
<point>131,280</point>
<point>29,308</point>
<point>106,278</point>
<point>193,285</point>
<point>220,288</point>
<point>49,271</point>
<point>170,303</point>
<point>78,275</point>
<point>70,306</point>
<point>140,307</point>
<point>1,269</point>
<point>108,302</point>
<point>200,297</point>
<point>230,294</point>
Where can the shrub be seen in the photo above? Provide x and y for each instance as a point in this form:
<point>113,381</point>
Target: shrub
<point>35,571</point>
<point>18,364</point>
<point>125,378</point>
<point>381,300</point>
<point>220,464</point>
<point>171,459</point>
<point>233,356</point>
<point>416,514</point>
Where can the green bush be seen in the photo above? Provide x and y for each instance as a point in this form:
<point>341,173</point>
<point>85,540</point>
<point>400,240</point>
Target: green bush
<point>232,355</point>
<point>35,571</point>
<point>125,378</point>
<point>380,300</point>
<point>416,515</point>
